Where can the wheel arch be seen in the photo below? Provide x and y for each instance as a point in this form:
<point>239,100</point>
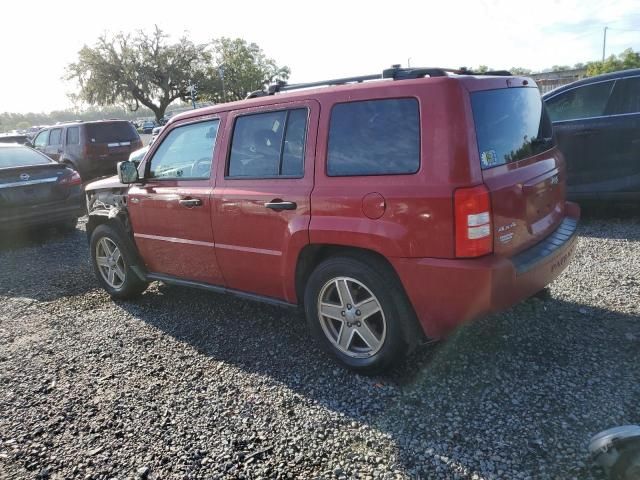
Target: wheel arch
<point>313,254</point>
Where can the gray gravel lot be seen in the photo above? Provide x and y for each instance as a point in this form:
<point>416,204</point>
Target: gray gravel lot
<point>188,384</point>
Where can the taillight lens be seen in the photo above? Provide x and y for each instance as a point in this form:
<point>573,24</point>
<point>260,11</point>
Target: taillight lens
<point>473,222</point>
<point>73,179</point>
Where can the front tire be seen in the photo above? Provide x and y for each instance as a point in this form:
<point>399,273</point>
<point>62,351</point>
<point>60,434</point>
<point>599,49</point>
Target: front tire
<point>113,255</point>
<point>358,311</point>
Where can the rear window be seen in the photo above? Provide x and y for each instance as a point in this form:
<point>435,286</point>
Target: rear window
<point>511,125</point>
<point>21,157</point>
<point>374,137</point>
<point>109,132</point>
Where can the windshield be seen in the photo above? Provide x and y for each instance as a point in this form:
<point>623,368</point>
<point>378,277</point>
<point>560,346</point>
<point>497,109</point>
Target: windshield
<point>511,125</point>
<point>108,132</point>
<point>21,157</point>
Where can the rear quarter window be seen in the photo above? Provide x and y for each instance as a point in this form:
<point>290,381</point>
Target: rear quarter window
<point>374,137</point>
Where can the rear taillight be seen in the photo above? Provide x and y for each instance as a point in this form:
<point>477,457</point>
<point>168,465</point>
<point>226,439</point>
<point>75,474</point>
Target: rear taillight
<point>73,179</point>
<point>473,222</point>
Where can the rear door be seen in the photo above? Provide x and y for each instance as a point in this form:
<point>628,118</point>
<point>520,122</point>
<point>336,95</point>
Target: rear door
<point>54,146</point>
<point>262,196</point>
<point>584,135</point>
<point>171,211</point>
<point>523,172</point>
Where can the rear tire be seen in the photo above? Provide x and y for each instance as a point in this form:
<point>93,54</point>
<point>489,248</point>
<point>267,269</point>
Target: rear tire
<point>113,254</point>
<point>358,311</point>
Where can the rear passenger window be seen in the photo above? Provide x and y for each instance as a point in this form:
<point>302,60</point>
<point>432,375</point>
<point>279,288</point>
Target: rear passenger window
<point>73,136</point>
<point>582,102</point>
<point>374,137</point>
<point>625,97</point>
<point>55,137</point>
<point>268,145</point>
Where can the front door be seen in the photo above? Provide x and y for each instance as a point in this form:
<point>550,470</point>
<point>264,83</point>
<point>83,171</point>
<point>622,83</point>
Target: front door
<point>170,211</point>
<point>262,196</point>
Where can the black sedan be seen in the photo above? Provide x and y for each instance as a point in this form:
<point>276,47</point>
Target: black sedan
<point>35,190</point>
<point>596,122</point>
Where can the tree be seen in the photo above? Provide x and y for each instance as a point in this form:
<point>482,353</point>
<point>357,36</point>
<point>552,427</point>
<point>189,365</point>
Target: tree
<point>520,71</point>
<point>624,61</point>
<point>141,69</point>
<point>239,68</point>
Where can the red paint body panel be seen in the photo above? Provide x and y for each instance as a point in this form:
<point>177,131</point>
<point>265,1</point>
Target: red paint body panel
<point>446,293</point>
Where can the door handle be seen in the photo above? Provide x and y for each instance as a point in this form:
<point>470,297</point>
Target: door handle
<point>190,202</point>
<point>277,204</point>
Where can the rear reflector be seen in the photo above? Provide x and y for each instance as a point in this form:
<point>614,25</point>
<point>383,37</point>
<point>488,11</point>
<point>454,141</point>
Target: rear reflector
<point>473,222</point>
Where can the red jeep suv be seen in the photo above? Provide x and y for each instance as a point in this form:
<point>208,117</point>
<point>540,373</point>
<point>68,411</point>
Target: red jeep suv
<point>393,207</point>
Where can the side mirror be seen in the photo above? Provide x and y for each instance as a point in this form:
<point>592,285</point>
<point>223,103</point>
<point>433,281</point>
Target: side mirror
<point>127,172</point>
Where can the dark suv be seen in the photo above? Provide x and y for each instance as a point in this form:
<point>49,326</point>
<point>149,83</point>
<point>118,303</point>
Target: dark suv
<point>391,210</point>
<point>91,148</point>
<point>597,126</point>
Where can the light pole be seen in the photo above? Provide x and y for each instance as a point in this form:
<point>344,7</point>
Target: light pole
<point>604,42</point>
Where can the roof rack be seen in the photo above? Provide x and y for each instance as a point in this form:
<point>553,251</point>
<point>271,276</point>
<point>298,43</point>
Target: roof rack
<point>396,72</point>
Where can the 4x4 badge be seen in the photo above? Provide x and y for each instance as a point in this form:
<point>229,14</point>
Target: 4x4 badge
<point>555,180</point>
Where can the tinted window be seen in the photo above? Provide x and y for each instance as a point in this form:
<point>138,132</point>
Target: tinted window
<point>110,132</point>
<point>510,125</point>
<point>42,139</point>
<point>374,137</point>
<point>186,152</point>
<point>582,102</point>
<point>625,97</point>
<point>55,137</point>
<point>20,157</point>
<point>269,144</point>
<point>73,136</point>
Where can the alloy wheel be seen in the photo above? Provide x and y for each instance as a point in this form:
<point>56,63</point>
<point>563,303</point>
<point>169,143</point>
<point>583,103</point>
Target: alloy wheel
<point>351,317</point>
<point>110,263</point>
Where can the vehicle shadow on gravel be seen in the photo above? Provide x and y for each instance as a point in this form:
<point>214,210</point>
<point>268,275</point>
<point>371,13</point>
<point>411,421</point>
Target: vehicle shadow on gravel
<point>45,264</point>
<point>521,390</point>
<point>609,221</point>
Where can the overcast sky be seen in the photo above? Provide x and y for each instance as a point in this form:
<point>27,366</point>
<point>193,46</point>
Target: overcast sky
<point>318,40</point>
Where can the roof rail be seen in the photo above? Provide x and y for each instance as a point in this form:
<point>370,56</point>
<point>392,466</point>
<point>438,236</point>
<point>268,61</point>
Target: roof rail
<point>396,72</point>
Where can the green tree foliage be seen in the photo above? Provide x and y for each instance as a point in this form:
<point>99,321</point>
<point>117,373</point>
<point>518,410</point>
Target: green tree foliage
<point>239,68</point>
<point>624,61</point>
<point>138,69</point>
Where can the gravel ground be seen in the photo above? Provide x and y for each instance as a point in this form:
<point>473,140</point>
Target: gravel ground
<point>189,384</point>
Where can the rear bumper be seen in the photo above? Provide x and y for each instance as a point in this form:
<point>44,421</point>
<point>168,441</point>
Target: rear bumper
<point>448,292</point>
<point>36,215</point>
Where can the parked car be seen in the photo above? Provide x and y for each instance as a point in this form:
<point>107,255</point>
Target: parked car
<point>154,134</point>
<point>597,126</point>
<point>147,127</point>
<point>392,210</point>
<point>91,148</point>
<point>19,138</point>
<point>137,156</point>
<point>35,190</point>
